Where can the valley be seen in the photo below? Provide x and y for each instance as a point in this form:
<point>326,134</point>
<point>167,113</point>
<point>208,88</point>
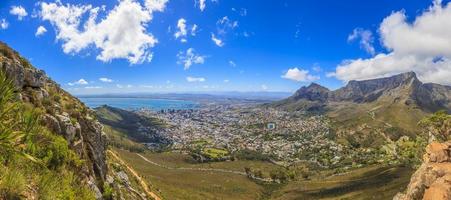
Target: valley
<point>225,100</point>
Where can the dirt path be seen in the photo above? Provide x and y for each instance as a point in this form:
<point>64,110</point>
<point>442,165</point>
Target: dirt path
<point>201,169</point>
<point>135,174</point>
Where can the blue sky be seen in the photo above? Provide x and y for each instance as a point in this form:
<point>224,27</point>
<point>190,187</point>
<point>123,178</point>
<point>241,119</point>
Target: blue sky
<point>235,45</point>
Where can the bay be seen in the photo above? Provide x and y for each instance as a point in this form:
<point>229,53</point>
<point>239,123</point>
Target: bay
<point>139,103</point>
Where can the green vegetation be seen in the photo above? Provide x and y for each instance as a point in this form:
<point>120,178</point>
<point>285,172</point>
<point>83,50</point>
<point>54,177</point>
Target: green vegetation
<point>130,124</point>
<point>118,138</point>
<point>296,182</point>
<point>437,125</point>
<point>33,157</point>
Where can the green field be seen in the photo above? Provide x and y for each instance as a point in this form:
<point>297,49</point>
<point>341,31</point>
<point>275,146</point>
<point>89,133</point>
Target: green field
<point>188,183</point>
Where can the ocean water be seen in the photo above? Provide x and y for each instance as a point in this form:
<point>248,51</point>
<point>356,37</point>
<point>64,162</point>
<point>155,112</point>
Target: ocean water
<point>138,103</point>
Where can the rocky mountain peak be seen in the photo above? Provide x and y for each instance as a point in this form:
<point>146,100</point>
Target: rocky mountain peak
<point>313,92</point>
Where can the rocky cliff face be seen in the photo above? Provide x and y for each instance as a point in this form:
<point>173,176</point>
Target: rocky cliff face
<point>403,88</point>
<point>64,114</point>
<point>432,181</point>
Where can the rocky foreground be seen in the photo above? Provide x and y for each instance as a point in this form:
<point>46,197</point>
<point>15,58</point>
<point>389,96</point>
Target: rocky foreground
<point>432,181</point>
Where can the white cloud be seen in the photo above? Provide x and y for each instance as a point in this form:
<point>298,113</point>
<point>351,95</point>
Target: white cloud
<point>225,25</point>
<point>195,79</point>
<point>189,58</point>
<point>226,80</point>
<point>231,63</point>
<point>155,5</point>
<point>422,46</point>
<point>40,31</point>
<point>242,11</point>
<point>119,86</point>
<point>299,75</point>
<point>217,41</point>
<point>194,29</point>
<point>182,31</point>
<point>181,25</point>
<point>79,82</point>
<point>201,4</point>
<point>4,24</point>
<point>93,87</point>
<point>264,87</point>
<point>366,39</point>
<point>19,11</point>
<point>120,34</point>
<point>106,80</point>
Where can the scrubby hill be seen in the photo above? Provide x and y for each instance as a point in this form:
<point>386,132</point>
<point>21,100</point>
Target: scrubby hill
<point>52,146</point>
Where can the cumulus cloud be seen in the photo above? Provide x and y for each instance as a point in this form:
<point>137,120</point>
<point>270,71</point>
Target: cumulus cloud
<point>40,31</point>
<point>264,87</point>
<point>201,4</point>
<point>4,24</point>
<point>79,82</point>
<point>182,30</point>
<point>195,79</point>
<point>366,39</point>
<point>217,41</point>
<point>189,58</point>
<point>120,34</point>
<point>19,11</point>
<point>422,45</point>
<point>106,80</point>
<point>299,75</point>
<point>181,25</point>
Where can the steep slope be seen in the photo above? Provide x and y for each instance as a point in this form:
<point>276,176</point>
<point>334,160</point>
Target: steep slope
<point>62,114</point>
<point>311,98</point>
<point>136,127</point>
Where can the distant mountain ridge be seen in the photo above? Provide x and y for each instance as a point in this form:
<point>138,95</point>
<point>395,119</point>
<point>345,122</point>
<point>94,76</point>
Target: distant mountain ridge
<point>405,88</point>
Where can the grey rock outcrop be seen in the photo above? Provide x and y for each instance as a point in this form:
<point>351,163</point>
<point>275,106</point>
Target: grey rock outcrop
<point>65,114</point>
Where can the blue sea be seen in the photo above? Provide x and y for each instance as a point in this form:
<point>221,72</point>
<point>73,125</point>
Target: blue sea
<point>138,103</point>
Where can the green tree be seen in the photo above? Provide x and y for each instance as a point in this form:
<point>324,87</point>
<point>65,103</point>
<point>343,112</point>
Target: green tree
<point>437,126</point>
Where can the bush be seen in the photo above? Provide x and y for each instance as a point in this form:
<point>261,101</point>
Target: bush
<point>107,192</point>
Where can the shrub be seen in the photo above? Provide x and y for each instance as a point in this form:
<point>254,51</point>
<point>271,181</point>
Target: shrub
<point>107,192</point>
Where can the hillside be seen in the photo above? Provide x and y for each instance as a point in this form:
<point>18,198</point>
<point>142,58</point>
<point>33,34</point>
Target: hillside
<point>396,102</point>
<point>54,130</point>
<point>130,125</point>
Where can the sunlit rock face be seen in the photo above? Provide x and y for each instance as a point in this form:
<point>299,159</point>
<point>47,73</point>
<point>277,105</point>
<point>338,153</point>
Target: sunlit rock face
<point>432,181</point>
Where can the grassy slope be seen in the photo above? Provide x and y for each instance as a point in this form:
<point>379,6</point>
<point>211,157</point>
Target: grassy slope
<point>182,184</point>
<point>376,115</point>
<point>366,183</point>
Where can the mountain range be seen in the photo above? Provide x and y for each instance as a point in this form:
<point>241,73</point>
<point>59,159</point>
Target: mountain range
<point>398,101</point>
